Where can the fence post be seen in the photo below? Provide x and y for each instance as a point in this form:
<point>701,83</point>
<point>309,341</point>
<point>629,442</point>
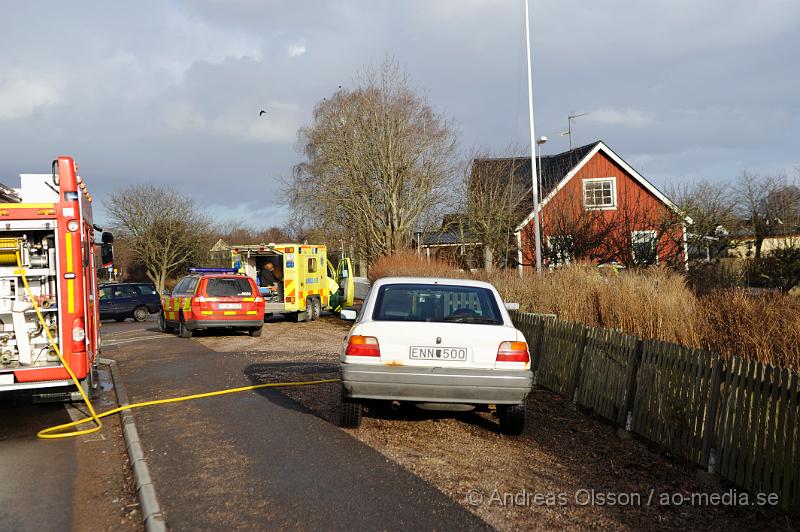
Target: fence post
<point>572,391</point>
<point>538,339</point>
<point>706,458</point>
<point>625,418</point>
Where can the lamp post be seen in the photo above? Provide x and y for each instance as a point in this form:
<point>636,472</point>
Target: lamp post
<point>534,187</point>
<point>539,142</point>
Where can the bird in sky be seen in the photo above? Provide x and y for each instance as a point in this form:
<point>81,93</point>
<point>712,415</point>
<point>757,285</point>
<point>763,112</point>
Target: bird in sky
<point>263,112</point>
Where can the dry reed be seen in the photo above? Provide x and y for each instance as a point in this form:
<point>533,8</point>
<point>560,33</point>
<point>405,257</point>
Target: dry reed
<point>653,303</point>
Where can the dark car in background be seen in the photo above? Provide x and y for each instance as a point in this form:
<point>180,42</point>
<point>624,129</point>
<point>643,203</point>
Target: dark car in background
<point>128,300</point>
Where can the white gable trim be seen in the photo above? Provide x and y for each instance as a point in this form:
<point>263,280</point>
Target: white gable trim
<point>617,159</point>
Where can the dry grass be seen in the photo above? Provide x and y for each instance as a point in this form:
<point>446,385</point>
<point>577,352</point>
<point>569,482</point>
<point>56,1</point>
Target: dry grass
<point>655,304</point>
<point>408,264</point>
<point>765,327</point>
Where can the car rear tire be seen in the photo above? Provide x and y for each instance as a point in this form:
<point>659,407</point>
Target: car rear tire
<point>512,419</point>
<point>349,414</point>
<point>255,332</point>
<point>183,332</point>
<point>316,308</point>
<point>140,314</point>
<point>162,323</point>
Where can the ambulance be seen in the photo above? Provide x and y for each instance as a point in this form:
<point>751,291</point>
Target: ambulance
<point>310,281</point>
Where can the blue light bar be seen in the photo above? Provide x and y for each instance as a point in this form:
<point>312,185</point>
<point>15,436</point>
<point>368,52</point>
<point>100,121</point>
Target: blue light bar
<point>212,270</point>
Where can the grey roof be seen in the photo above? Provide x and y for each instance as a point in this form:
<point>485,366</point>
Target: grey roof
<point>446,237</point>
<point>516,172</point>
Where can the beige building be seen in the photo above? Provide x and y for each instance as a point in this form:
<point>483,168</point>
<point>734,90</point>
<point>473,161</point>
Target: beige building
<point>745,247</point>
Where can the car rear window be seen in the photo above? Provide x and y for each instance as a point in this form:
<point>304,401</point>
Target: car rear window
<point>436,303</point>
<point>146,289</point>
<point>228,287</point>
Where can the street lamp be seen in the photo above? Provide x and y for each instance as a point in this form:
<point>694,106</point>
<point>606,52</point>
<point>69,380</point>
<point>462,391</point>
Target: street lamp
<point>539,142</point>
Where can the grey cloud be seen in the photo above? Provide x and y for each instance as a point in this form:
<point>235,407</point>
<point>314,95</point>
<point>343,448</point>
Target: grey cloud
<point>170,92</point>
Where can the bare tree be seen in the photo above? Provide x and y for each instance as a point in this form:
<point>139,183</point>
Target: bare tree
<point>573,232</point>
<point>663,245</point>
<point>163,229</point>
<point>237,232</point>
<point>709,204</point>
<point>769,205</point>
<point>493,204</point>
<point>379,160</point>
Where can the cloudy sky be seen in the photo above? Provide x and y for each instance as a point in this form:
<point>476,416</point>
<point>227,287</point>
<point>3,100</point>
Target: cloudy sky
<point>169,92</point>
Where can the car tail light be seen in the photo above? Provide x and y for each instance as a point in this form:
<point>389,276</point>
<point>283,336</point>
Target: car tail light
<point>78,335</point>
<point>362,346</point>
<point>289,299</point>
<point>513,352</point>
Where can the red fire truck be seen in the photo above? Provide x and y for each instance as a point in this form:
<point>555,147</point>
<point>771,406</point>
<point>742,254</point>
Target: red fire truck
<point>46,225</point>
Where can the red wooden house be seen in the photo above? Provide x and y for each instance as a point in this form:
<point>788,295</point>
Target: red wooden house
<point>594,206</point>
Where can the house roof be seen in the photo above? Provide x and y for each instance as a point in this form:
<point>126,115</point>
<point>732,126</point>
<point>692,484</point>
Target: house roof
<point>516,172</point>
<point>556,171</point>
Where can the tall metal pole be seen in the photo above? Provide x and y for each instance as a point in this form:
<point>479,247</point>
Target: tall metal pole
<point>534,165</point>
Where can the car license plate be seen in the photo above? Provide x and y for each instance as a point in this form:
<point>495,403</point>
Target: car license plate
<point>438,353</point>
<point>230,306</point>
<point>6,379</point>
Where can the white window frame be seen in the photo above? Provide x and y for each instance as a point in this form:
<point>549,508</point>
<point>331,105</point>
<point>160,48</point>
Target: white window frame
<point>652,233</point>
<point>613,181</point>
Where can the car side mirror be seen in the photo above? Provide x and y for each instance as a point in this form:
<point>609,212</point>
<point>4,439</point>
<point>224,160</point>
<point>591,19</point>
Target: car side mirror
<point>348,314</point>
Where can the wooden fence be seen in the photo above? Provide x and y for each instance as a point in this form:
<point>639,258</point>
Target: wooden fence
<point>736,417</point>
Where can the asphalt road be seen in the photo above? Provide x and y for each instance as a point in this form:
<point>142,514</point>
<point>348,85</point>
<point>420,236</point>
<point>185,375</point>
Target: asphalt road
<point>77,483</point>
<point>260,460</point>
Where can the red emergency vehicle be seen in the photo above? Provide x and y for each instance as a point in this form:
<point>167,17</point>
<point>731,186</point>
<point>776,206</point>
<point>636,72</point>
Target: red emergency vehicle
<point>47,223</point>
<point>212,298</point>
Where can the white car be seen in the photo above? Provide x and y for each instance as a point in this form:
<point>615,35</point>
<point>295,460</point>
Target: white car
<point>436,343</point>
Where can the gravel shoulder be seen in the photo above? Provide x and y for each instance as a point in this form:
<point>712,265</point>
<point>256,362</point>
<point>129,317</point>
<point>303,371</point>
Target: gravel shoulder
<point>568,470</point>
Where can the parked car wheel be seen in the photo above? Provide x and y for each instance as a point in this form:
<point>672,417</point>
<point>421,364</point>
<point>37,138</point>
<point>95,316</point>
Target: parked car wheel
<point>162,323</point>
<point>255,332</point>
<point>140,314</point>
<point>512,419</point>
<point>349,414</point>
<point>183,332</point>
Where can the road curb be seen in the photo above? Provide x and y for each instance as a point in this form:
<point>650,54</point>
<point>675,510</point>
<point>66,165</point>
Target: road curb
<point>152,516</point>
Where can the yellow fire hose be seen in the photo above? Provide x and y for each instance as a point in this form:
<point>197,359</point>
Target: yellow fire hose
<point>57,431</point>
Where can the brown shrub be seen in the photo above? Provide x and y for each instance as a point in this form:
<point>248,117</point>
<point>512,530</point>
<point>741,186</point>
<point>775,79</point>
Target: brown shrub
<point>651,303</point>
<point>765,327</point>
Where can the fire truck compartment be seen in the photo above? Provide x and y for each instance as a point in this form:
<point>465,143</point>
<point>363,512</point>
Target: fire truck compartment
<point>23,340</point>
